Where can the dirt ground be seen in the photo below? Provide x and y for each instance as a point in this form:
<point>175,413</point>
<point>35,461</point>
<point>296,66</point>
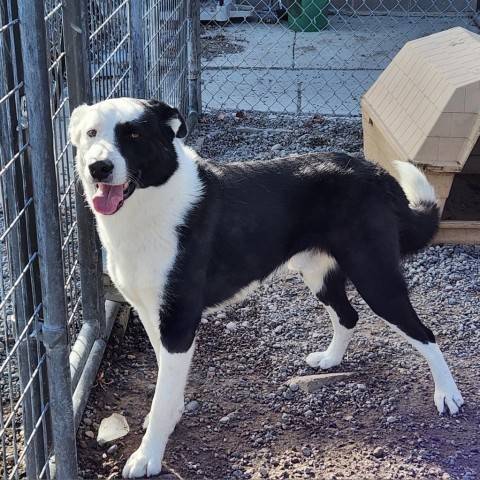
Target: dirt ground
<point>246,418</point>
<point>379,423</point>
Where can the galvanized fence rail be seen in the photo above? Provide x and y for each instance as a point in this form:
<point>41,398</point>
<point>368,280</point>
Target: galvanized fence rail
<point>54,322</point>
<point>310,56</point>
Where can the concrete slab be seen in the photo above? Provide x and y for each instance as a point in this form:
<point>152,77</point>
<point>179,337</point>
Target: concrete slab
<point>268,67</point>
<point>243,89</point>
<point>249,45</point>
<point>295,91</point>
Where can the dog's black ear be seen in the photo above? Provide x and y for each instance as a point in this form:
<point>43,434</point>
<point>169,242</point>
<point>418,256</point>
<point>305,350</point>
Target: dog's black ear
<point>169,116</point>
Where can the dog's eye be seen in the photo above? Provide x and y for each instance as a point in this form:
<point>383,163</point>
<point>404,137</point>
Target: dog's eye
<point>134,135</point>
<point>92,133</point>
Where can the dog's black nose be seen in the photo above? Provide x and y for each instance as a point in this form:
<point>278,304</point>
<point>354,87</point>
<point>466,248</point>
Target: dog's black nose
<point>101,170</point>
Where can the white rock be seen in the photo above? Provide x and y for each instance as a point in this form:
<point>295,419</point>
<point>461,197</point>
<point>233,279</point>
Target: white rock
<point>112,428</point>
<point>192,406</point>
<point>231,326</point>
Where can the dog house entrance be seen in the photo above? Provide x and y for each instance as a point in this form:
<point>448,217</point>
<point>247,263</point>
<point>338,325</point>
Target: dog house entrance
<point>463,202</point>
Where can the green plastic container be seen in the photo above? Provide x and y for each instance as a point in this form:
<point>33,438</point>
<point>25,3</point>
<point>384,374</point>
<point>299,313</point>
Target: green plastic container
<point>308,15</point>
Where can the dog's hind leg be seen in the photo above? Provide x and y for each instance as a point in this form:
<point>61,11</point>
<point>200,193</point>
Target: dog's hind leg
<point>321,274</point>
<point>382,286</point>
<point>343,317</point>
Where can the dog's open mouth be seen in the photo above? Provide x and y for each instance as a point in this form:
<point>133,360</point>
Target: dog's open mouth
<point>108,198</point>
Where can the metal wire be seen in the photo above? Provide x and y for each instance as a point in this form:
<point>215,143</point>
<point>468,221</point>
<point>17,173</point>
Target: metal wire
<point>165,50</point>
<point>109,48</point>
<point>310,56</point>
<point>24,402</point>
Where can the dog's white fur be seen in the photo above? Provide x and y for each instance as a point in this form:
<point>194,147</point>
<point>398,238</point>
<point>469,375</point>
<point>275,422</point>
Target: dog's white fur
<point>142,245</point>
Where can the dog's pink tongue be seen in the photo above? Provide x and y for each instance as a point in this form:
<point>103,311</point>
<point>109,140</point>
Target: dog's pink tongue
<point>107,198</point>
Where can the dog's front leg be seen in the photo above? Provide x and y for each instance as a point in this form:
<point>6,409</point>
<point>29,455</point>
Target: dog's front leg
<point>164,413</point>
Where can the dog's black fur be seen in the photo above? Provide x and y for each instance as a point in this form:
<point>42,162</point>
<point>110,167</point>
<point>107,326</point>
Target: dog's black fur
<point>254,216</point>
<point>195,234</point>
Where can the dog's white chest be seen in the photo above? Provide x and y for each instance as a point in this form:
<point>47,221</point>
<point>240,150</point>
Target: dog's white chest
<point>141,273</point>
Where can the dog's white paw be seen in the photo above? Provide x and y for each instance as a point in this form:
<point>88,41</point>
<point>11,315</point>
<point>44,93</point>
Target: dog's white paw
<point>146,421</point>
<point>448,400</point>
<point>323,360</point>
<point>144,462</point>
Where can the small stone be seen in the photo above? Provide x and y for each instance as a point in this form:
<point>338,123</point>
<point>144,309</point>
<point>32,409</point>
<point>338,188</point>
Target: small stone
<point>225,419</point>
<point>263,472</point>
<point>306,452</point>
<point>293,386</point>
<point>231,326</point>
<point>87,421</point>
<point>192,406</point>
<point>391,419</point>
<point>204,321</point>
<point>276,148</point>
<point>89,434</point>
<point>112,449</point>
<point>278,330</point>
<point>131,357</point>
<point>379,452</point>
<point>313,383</point>
<point>2,347</point>
<point>151,388</point>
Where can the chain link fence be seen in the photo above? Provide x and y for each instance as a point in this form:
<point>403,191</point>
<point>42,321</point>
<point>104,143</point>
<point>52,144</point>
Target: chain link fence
<point>55,55</point>
<point>310,56</point>
<point>54,323</point>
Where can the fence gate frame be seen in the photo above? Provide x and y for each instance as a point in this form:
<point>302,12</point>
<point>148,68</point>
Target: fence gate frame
<point>57,55</point>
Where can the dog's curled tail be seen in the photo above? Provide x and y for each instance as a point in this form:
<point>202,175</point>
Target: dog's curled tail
<point>420,222</point>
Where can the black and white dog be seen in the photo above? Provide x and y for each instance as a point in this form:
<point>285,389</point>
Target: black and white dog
<point>185,235</point>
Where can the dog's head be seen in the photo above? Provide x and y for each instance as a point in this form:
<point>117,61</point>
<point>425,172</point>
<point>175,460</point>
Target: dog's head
<point>124,144</point>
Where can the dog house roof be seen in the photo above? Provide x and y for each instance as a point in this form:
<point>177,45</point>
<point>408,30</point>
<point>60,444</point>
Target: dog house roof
<point>427,100</point>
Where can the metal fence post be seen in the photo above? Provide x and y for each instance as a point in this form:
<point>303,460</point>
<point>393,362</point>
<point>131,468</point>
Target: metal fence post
<point>137,52</point>
<point>194,66</point>
<point>33,34</point>
<point>76,38</point>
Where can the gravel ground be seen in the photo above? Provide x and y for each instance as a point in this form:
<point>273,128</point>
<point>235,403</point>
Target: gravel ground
<point>247,417</point>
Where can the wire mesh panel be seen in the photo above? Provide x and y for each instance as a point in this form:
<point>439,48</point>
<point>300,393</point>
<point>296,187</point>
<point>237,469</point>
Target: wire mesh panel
<point>64,163</point>
<point>24,398</point>
<point>55,55</point>
<point>311,56</point>
<point>165,43</point>
<point>109,48</point>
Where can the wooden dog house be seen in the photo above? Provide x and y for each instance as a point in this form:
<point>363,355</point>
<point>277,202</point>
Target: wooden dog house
<point>425,109</point>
